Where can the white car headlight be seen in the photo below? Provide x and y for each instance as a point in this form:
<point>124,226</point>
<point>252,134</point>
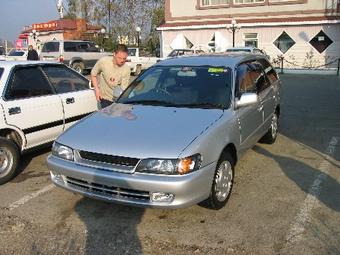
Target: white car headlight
<point>170,166</point>
<point>62,151</point>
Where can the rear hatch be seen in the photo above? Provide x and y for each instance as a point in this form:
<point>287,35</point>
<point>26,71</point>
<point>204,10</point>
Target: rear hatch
<point>51,52</point>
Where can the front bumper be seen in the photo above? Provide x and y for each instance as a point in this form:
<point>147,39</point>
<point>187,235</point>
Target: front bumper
<point>134,189</point>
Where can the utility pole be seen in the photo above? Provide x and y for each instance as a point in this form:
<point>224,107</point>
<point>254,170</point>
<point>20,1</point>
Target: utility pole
<point>109,32</point>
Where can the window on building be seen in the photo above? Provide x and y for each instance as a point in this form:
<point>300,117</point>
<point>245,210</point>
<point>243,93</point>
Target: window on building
<point>321,41</point>
<point>284,42</point>
<point>214,2</point>
<point>250,39</point>
<point>248,1</point>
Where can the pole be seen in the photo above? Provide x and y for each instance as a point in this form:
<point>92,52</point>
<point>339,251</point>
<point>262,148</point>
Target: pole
<point>281,64</point>
<point>338,72</point>
<point>233,37</point>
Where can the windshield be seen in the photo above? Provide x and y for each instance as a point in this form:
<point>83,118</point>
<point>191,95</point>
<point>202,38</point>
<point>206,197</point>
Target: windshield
<point>181,86</point>
<point>132,52</point>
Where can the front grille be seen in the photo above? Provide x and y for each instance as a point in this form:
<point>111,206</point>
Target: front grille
<point>109,159</point>
<point>109,192</point>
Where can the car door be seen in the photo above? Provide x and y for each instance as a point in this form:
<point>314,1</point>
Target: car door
<point>250,117</point>
<point>31,105</point>
<point>266,93</point>
<point>77,97</point>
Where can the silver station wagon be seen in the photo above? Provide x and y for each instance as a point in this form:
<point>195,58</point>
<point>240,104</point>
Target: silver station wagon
<point>173,137</point>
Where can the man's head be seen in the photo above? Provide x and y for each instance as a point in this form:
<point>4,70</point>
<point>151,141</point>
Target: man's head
<point>120,54</point>
<point>30,47</point>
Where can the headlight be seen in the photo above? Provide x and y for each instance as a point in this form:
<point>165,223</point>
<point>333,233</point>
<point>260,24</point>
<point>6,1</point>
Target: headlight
<point>170,166</point>
<point>62,151</point>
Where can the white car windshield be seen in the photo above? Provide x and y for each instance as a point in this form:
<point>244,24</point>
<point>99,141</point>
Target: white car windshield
<point>181,86</point>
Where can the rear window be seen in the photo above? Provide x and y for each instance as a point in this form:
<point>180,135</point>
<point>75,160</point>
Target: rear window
<point>51,47</point>
<point>2,51</point>
<point>16,53</point>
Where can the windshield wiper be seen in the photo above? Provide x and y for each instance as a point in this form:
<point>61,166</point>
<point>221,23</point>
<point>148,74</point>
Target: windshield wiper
<point>148,102</point>
<point>203,105</point>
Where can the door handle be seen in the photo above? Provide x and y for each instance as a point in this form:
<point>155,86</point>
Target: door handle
<point>14,110</point>
<point>70,100</point>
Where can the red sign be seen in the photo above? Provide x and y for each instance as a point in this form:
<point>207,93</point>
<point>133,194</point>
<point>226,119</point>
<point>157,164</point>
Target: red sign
<point>45,26</point>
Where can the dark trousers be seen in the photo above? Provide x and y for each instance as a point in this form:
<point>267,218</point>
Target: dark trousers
<point>104,103</point>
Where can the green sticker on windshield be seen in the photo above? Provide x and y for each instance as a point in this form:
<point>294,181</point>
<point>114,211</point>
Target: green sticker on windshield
<point>216,70</point>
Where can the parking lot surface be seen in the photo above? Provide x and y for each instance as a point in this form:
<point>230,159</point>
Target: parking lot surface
<point>286,198</point>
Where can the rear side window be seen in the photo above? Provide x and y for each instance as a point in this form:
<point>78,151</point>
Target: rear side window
<point>51,47</point>
<point>269,70</point>
<point>70,46</point>
<point>28,82</point>
<point>65,80</point>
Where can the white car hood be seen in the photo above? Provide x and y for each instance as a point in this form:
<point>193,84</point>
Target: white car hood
<point>140,131</point>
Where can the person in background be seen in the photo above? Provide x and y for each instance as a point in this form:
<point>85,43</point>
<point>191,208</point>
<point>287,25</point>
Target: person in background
<point>32,53</point>
<point>110,76</point>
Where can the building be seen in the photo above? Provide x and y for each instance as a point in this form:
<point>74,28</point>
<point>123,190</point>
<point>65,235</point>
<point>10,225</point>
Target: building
<point>62,29</point>
<point>305,32</point>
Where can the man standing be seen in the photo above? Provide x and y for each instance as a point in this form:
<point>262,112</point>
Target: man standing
<point>32,53</point>
<point>114,76</point>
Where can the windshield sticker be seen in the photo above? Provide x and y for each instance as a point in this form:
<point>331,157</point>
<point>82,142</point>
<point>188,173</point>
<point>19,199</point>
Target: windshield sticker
<point>217,70</point>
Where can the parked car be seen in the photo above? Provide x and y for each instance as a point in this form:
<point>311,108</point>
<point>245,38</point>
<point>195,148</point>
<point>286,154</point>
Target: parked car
<point>175,134</point>
<point>80,55</point>
<point>137,62</point>
<point>16,55</point>
<point>2,53</point>
<point>184,52</point>
<point>252,50</point>
<point>38,101</point>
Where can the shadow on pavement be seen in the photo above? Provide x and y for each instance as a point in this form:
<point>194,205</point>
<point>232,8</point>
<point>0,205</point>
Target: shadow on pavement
<point>304,177</point>
<point>111,228</point>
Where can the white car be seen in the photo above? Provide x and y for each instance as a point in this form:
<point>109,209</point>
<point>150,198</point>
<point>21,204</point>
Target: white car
<point>39,100</point>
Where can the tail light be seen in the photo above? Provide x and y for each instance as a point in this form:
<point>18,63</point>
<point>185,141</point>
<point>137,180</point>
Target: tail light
<point>61,58</point>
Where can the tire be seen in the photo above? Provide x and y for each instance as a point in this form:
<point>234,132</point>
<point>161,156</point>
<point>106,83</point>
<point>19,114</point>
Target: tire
<point>224,175</point>
<point>9,160</point>
<point>138,70</point>
<point>79,67</point>
<point>271,135</point>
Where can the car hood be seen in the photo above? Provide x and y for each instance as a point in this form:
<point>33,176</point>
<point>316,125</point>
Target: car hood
<point>140,131</point>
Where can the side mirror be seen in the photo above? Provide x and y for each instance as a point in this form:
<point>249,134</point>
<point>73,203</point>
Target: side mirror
<point>247,99</point>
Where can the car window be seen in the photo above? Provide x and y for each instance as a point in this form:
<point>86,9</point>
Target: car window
<point>132,52</point>
<point>28,82</point>
<point>269,70</point>
<point>244,80</point>
<point>1,72</point>
<point>65,80</point>
<point>70,46</point>
<point>258,76</point>
<point>50,47</point>
<point>181,86</point>
<point>2,51</point>
<point>92,47</point>
<point>82,46</point>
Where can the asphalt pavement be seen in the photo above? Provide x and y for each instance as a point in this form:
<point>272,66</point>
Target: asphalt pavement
<point>286,198</point>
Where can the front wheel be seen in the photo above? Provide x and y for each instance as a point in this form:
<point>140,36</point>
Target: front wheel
<point>222,183</point>
<point>9,159</point>
<point>78,66</point>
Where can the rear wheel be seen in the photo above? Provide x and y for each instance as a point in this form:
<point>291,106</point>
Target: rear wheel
<point>9,159</point>
<point>78,66</point>
<point>138,70</point>
<point>271,135</point>
<point>222,182</point>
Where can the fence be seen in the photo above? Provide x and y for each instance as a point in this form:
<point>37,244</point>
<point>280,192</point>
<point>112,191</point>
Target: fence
<point>281,60</point>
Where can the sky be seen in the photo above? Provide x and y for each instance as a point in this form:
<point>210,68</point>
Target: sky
<point>15,14</point>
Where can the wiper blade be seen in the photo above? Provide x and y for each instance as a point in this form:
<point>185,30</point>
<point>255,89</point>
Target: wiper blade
<point>203,105</point>
<point>148,102</point>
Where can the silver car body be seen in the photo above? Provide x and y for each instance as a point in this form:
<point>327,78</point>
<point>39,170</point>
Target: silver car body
<point>135,132</point>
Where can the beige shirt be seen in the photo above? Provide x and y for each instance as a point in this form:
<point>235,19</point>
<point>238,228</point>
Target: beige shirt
<point>110,75</point>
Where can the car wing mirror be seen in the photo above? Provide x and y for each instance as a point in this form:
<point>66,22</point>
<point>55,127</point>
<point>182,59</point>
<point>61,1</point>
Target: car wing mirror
<point>247,99</point>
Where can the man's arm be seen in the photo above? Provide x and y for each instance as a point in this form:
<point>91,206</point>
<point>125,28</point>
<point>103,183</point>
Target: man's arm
<point>94,79</point>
